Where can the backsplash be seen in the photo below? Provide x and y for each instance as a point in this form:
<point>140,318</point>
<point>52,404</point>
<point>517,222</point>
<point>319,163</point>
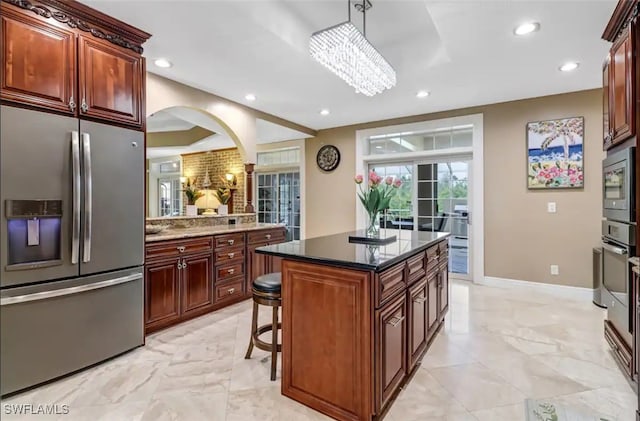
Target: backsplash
<point>202,221</point>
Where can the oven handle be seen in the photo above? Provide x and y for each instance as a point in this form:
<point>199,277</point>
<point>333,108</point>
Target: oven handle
<point>614,249</point>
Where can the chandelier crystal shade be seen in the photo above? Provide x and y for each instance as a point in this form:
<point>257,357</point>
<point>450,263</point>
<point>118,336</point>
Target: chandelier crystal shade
<point>345,51</point>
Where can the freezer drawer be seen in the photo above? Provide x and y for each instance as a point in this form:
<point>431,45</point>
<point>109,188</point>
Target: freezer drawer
<point>54,329</point>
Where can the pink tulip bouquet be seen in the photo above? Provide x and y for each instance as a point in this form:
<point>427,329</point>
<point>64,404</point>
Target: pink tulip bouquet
<point>376,197</point>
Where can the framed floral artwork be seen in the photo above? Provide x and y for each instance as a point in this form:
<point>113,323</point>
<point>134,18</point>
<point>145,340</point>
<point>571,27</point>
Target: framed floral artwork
<point>555,154</point>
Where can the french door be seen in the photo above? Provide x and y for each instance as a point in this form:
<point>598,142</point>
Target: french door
<point>278,196</point>
<point>435,196</point>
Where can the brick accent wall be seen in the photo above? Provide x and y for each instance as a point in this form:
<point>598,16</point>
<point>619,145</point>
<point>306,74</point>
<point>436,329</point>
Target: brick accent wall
<point>219,163</point>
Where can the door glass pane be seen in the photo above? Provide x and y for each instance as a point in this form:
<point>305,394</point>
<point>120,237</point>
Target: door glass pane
<point>279,200</point>
<point>169,196</point>
<point>443,207</point>
<point>400,213</point>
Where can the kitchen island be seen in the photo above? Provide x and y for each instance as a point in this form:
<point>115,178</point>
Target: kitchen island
<point>357,319</point>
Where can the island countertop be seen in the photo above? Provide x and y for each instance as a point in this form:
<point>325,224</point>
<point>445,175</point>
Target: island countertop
<point>336,250</point>
<point>180,233</point>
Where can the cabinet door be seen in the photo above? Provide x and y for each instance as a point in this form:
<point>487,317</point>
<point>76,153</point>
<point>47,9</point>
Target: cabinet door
<point>391,348</point>
<point>111,82</point>
<point>418,312</point>
<point>621,85</point>
<point>443,283</point>
<point>433,298</point>
<point>636,330</point>
<point>38,62</point>
<point>606,103</point>
<point>197,283</point>
<point>162,293</point>
<point>258,264</point>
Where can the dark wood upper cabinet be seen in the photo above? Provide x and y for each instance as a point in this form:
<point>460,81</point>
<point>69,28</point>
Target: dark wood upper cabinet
<point>110,82</point>
<point>391,364</point>
<point>52,48</point>
<point>38,62</point>
<point>162,292</point>
<point>606,101</point>
<point>621,85</point>
<point>197,283</point>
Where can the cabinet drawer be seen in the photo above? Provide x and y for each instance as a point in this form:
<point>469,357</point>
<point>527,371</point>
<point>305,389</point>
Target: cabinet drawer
<point>443,247</point>
<point>229,255</point>
<point>229,290</point>
<point>164,249</point>
<point>390,282</point>
<point>621,352</point>
<point>416,267</point>
<point>229,240</point>
<point>271,236</point>
<point>224,272</point>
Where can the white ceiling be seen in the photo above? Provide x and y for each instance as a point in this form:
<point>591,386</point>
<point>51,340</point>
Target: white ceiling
<point>182,118</point>
<point>463,52</point>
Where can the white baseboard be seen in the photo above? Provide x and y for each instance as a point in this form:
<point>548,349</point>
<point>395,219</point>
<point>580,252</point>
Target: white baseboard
<point>576,293</point>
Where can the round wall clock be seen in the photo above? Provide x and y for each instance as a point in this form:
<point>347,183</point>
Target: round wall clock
<point>328,158</point>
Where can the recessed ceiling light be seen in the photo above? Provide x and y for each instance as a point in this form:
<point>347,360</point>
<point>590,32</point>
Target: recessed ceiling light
<point>324,112</point>
<point>250,97</point>
<point>163,62</point>
<point>527,28</point>
<point>569,66</point>
<point>422,94</point>
<point>378,147</point>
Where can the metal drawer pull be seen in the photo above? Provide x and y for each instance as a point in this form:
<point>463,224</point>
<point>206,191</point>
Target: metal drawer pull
<point>181,249</point>
<point>395,321</point>
<point>69,291</point>
<point>231,270</point>
<point>268,236</point>
<point>231,255</point>
<point>230,242</point>
<point>419,300</point>
<point>231,290</point>
<point>614,249</point>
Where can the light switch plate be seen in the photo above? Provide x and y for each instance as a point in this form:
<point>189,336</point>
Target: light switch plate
<point>555,270</point>
<point>551,207</point>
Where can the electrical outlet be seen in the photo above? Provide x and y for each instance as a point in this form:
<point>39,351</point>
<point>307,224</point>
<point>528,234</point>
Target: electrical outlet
<point>555,270</point>
<point>551,207</point>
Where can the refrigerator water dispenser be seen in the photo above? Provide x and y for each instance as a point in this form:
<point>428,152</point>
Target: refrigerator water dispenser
<point>34,229</point>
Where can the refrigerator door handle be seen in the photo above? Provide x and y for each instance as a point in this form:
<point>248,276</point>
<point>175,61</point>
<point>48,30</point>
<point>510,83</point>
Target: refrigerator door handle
<point>86,152</point>
<point>75,223</point>
<point>68,291</point>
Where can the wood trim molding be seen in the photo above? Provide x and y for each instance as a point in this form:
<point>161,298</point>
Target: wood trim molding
<point>78,16</point>
<point>624,13</point>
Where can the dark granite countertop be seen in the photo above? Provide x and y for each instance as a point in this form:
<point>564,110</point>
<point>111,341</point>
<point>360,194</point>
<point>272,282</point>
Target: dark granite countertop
<point>336,250</point>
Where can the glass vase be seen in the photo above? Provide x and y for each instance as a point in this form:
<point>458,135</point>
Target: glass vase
<point>373,225</point>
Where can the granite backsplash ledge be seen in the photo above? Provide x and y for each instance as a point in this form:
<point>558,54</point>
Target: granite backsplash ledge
<point>202,221</point>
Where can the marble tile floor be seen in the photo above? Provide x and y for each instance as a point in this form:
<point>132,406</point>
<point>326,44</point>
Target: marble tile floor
<point>498,347</point>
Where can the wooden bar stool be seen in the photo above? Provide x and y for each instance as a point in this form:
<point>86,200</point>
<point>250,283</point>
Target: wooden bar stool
<point>266,291</point>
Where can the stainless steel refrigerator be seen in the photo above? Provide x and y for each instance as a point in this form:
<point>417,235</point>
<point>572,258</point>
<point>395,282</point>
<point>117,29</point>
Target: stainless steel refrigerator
<point>71,245</point>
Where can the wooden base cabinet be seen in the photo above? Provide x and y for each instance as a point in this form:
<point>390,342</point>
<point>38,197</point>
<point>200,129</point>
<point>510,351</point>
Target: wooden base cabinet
<point>391,347</point>
<point>340,323</point>
<point>162,293</point>
<point>191,277</point>
<point>197,285</point>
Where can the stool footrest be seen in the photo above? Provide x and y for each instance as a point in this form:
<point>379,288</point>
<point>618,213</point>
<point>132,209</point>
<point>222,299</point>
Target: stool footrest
<point>260,344</point>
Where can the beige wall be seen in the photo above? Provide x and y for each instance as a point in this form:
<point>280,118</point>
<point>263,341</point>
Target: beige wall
<point>521,239</point>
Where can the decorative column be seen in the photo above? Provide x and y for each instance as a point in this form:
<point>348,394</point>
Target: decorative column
<point>248,168</point>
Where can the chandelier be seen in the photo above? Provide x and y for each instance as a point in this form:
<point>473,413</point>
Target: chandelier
<point>345,51</point>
